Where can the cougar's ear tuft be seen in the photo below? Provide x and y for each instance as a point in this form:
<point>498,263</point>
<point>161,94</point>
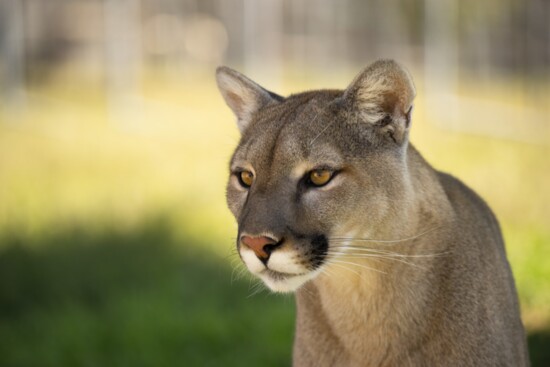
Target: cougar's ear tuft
<point>242,95</point>
<point>382,96</point>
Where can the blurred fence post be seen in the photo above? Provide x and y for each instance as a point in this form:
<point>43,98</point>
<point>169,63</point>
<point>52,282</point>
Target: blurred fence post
<point>12,53</point>
<point>263,32</point>
<point>122,24</point>
<point>440,60</point>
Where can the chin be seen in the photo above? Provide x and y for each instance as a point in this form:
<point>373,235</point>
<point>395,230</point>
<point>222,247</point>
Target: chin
<point>286,283</point>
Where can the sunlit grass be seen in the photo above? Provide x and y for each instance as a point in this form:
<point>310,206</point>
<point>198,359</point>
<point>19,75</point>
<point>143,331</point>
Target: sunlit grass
<point>74,158</point>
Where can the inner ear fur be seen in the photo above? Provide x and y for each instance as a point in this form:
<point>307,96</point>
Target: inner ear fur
<point>242,95</point>
<point>382,96</point>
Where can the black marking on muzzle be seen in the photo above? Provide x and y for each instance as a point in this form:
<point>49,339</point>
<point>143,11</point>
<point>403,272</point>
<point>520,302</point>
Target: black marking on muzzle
<point>319,248</point>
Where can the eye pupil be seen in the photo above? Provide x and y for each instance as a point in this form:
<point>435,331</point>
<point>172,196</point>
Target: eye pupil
<point>320,177</point>
<point>246,178</point>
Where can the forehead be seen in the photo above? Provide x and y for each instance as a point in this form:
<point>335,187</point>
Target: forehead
<point>296,131</point>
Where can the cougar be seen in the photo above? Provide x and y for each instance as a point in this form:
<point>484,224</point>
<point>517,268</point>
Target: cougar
<point>392,262</point>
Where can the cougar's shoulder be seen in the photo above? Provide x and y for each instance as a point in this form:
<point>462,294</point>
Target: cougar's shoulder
<point>468,206</point>
<point>474,221</point>
<point>479,262</point>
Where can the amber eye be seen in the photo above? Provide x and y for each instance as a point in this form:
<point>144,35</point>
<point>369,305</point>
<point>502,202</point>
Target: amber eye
<point>246,178</point>
<point>320,177</point>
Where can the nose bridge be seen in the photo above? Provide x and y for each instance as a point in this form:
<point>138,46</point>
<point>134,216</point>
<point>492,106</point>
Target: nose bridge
<point>264,212</point>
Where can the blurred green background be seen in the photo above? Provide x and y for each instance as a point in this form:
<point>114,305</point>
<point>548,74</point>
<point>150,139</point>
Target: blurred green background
<point>116,247</point>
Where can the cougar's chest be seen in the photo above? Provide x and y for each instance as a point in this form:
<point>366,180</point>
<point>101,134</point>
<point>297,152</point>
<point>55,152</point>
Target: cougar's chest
<point>359,320</point>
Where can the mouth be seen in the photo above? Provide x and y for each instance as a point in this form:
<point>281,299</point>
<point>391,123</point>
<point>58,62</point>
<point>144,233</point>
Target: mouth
<point>277,275</point>
<point>285,282</point>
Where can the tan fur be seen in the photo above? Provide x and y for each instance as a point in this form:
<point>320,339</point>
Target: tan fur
<point>393,263</point>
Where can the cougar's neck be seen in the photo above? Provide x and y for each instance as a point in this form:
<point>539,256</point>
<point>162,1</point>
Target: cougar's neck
<point>428,205</point>
<point>368,304</point>
<point>421,203</point>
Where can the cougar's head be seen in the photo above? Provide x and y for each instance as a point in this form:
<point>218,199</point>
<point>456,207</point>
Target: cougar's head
<point>314,169</point>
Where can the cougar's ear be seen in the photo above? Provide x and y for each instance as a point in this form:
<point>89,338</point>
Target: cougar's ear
<point>242,95</point>
<point>382,97</point>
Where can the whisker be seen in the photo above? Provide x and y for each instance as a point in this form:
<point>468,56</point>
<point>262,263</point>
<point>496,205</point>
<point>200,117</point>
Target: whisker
<point>383,240</point>
<point>322,131</point>
<point>236,264</point>
<point>376,256</point>
<point>257,288</point>
<point>232,252</point>
<point>360,265</point>
<point>308,292</point>
<point>345,267</point>
<point>391,253</point>
<point>327,272</point>
<point>241,273</point>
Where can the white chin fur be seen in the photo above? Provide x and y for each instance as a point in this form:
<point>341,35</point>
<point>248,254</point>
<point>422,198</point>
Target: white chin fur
<point>290,284</point>
<point>282,263</point>
<point>251,261</point>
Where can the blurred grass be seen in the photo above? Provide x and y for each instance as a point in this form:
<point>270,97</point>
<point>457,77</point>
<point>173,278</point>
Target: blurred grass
<point>140,298</point>
<point>114,233</point>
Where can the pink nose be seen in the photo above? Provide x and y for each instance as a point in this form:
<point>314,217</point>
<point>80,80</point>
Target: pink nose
<point>262,246</point>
